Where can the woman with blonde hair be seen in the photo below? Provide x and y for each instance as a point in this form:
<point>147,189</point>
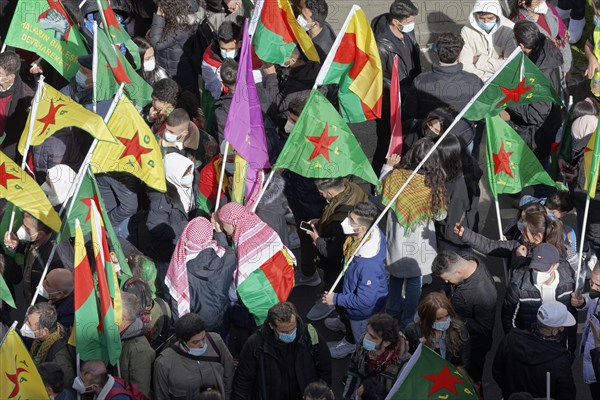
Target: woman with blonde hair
<point>439,328</point>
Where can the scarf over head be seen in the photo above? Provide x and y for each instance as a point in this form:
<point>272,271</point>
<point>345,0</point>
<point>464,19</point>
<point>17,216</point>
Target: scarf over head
<point>196,237</point>
<point>176,166</point>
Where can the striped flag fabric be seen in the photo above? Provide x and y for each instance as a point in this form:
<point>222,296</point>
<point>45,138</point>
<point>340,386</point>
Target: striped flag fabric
<point>109,302</point>
<point>591,159</point>
<point>354,64</point>
<point>395,113</point>
<point>277,31</point>
<point>87,336</point>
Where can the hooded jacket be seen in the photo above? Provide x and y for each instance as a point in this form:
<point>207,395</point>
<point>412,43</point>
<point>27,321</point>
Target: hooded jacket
<point>365,281</point>
<point>273,207</point>
<point>137,357</point>
<point>522,360</point>
<point>490,48</point>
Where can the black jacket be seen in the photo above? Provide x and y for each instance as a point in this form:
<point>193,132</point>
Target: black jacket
<point>269,369</point>
<point>474,300</point>
<point>166,220</point>
<point>324,41</point>
<point>523,299</point>
<point>409,61</point>
<point>596,362</point>
<point>522,360</point>
<point>65,311</point>
<point>445,85</point>
<point>458,205</point>
<point>119,193</point>
<point>537,123</point>
<point>169,48</point>
<point>17,110</point>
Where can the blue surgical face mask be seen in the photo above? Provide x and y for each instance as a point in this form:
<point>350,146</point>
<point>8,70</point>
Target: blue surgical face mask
<point>89,22</point>
<point>81,79</point>
<point>369,345</point>
<point>169,137</point>
<point>408,28</point>
<point>486,26</point>
<point>596,21</point>
<point>228,53</point>
<point>442,325</point>
<point>520,226</point>
<point>230,168</point>
<point>287,337</point>
<point>198,352</point>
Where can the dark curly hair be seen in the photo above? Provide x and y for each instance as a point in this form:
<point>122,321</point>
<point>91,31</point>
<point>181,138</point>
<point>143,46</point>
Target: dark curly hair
<point>435,177</point>
<point>189,326</point>
<point>174,11</point>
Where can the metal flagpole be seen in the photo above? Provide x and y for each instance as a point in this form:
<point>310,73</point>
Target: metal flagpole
<point>222,175</point>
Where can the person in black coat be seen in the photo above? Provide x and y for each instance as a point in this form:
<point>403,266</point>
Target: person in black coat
<point>537,123</point>
<point>523,358</point>
<point>473,296</point>
<point>282,358</point>
<point>57,288</point>
<point>394,33</point>
<point>312,19</point>
<point>15,99</point>
<point>446,85</point>
<point>171,30</point>
<point>119,194</point>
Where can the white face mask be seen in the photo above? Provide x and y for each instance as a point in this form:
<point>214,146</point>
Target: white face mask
<point>542,277</point>
<point>43,292</point>
<point>80,387</point>
<point>27,332</point>
<point>289,125</point>
<point>303,22</point>
<point>348,229</point>
<point>187,181</point>
<point>150,65</point>
<point>541,8</point>
<point>23,235</point>
<point>170,137</point>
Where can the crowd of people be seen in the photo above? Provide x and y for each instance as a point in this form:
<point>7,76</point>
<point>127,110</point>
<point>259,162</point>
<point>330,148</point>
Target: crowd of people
<point>418,277</point>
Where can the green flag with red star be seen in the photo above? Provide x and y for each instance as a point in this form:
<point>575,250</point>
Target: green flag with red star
<point>321,145</point>
<point>511,165</point>
<point>82,211</point>
<point>519,81</point>
<point>429,376</point>
<point>117,32</point>
<point>114,69</point>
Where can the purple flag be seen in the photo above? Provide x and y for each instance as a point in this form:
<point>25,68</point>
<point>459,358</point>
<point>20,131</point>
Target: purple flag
<point>245,130</point>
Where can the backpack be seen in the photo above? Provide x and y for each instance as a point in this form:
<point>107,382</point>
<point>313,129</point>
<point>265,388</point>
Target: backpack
<point>126,388</point>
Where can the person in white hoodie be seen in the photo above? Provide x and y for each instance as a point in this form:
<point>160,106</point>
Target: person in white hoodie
<point>488,39</point>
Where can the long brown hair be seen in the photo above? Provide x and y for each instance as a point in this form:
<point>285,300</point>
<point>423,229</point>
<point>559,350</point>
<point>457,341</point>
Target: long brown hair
<point>427,311</point>
<point>552,231</point>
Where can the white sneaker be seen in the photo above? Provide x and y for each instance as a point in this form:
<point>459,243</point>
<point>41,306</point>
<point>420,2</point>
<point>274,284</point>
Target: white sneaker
<point>342,349</point>
<point>335,324</point>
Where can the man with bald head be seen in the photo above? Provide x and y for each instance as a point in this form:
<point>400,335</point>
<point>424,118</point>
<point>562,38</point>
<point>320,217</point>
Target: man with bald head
<point>94,379</point>
<point>57,288</point>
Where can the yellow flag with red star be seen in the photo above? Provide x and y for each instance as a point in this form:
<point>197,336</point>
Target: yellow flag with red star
<point>57,111</point>
<point>136,150</point>
<point>22,190</point>
<point>20,378</point>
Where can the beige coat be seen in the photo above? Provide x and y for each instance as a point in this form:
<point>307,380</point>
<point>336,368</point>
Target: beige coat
<point>490,48</point>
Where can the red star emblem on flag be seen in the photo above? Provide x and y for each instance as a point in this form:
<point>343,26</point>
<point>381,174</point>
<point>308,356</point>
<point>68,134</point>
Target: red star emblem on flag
<point>134,148</point>
<point>50,118</point>
<point>5,176</point>
<point>88,203</point>
<point>515,93</point>
<point>109,14</point>
<point>119,71</point>
<point>502,161</point>
<point>443,380</point>
<point>14,378</point>
<point>321,143</point>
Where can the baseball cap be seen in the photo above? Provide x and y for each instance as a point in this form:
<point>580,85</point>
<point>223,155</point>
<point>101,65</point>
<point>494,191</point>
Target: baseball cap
<point>86,61</point>
<point>544,257</point>
<point>555,315</point>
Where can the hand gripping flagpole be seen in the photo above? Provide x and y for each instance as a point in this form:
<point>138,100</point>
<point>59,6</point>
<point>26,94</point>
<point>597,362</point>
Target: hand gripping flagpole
<point>414,172</point>
<point>32,116</point>
<point>74,189</point>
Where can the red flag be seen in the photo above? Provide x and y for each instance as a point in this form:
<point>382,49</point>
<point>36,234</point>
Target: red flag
<point>395,114</point>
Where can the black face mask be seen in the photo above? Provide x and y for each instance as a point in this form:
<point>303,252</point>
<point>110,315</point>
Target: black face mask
<point>594,294</point>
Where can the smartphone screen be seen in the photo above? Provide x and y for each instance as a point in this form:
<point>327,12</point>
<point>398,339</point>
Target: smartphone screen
<point>305,226</point>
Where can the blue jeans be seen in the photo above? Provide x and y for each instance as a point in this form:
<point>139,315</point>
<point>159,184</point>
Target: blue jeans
<point>358,328</point>
<point>404,308</point>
